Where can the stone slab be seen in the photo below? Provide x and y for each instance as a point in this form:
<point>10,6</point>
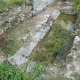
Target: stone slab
<point>55,14</point>
<point>21,56</point>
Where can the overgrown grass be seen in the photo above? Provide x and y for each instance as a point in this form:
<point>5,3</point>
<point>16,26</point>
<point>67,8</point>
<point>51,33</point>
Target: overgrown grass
<point>11,41</point>
<point>48,48</point>
<point>4,4</point>
<point>76,3</point>
<point>52,45</point>
<point>9,72</point>
<point>11,2</point>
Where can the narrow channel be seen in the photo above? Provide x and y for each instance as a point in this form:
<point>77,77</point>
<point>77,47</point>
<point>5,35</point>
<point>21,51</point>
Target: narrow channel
<point>57,44</point>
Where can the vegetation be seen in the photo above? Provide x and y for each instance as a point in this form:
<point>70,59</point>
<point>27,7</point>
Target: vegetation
<point>11,2</point>
<point>67,18</point>
<point>76,3</point>
<point>9,72</point>
<point>47,49</point>
<point>52,45</point>
<point>11,42</point>
<point>4,4</point>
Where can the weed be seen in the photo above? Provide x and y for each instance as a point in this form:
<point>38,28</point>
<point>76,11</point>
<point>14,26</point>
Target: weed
<point>9,72</point>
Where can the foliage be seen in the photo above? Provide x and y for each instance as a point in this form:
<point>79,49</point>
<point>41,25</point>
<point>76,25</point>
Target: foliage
<point>9,72</point>
<point>11,39</point>
<point>76,3</point>
<point>4,4</point>
<point>52,45</point>
<point>35,73</point>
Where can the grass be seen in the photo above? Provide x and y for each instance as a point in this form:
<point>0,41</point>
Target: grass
<point>11,41</point>
<point>76,4</point>
<point>53,44</point>
<point>9,72</point>
<point>11,2</point>
<point>4,4</point>
<point>47,50</point>
<point>67,18</point>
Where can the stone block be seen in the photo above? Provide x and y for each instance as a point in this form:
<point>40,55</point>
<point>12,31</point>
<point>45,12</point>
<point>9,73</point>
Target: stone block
<point>55,14</point>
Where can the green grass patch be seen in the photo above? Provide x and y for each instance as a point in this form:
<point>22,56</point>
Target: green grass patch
<point>4,4</point>
<point>11,41</point>
<point>49,47</point>
<point>53,44</point>
<point>66,18</point>
<point>76,4</point>
<point>9,72</point>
